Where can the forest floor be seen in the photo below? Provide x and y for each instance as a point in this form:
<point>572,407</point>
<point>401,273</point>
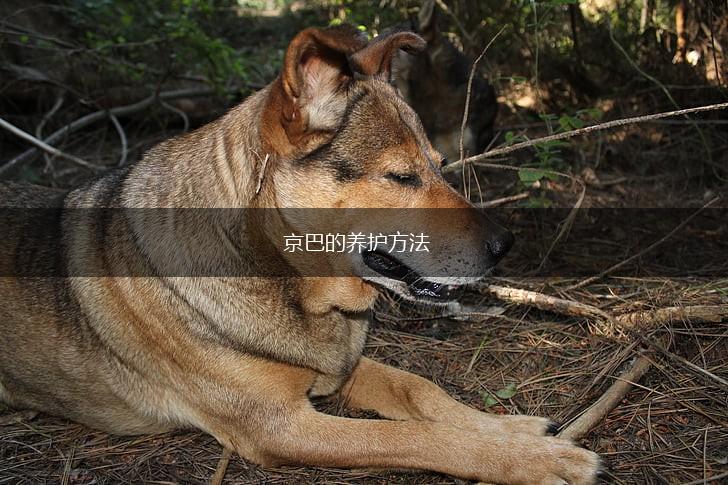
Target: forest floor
<point>672,427</point>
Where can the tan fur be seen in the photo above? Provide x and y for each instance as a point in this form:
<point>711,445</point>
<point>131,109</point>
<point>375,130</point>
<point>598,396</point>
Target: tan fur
<point>240,357</point>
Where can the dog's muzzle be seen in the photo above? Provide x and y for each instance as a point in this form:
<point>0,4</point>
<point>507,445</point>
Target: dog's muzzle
<point>441,288</point>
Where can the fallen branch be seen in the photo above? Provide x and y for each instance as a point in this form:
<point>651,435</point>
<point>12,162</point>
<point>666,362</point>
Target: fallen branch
<point>44,146</point>
<point>612,396</point>
<point>91,118</point>
<point>222,465</point>
<point>608,401</point>
<point>544,302</point>
<point>639,320</point>
<point>648,319</point>
<point>628,321</point>
<point>581,131</point>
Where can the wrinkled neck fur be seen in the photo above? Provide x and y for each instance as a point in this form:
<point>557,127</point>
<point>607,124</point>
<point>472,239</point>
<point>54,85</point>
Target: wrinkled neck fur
<point>215,166</point>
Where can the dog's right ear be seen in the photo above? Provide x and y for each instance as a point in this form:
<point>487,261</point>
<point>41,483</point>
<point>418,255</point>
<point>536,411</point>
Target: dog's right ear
<point>427,20</point>
<point>315,68</point>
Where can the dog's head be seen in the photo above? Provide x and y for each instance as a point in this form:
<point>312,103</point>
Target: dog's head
<point>342,137</point>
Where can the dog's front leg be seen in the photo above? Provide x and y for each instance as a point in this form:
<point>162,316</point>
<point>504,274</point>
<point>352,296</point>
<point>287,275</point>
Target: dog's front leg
<point>263,412</point>
<point>307,437</point>
<point>397,394</point>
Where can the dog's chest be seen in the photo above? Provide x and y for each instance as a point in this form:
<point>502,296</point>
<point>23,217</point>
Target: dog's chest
<point>355,329</point>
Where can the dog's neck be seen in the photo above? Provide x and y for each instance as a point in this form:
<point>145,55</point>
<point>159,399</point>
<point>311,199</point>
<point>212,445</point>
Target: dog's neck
<point>218,165</point>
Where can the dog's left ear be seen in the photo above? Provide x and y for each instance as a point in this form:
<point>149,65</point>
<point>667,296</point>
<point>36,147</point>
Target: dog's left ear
<point>315,67</point>
<point>376,58</point>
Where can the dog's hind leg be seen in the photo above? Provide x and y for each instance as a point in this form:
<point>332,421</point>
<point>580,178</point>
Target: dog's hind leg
<point>307,437</point>
<point>396,394</point>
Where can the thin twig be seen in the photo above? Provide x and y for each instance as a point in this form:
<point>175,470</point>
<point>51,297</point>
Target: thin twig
<point>649,248</point>
<point>566,226</point>
<point>91,118</point>
<point>44,146</point>
<point>502,200</point>
<point>469,91</point>
<point>608,401</point>
<point>580,131</point>
<point>222,466</point>
<point>719,381</point>
<point>122,139</point>
<point>39,129</point>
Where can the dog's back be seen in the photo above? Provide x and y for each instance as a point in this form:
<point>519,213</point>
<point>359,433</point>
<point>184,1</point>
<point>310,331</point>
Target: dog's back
<point>40,310</point>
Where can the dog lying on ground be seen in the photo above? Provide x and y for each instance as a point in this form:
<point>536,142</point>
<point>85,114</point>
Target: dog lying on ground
<point>240,357</point>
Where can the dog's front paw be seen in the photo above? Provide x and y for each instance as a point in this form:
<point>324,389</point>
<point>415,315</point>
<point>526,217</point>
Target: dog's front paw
<point>561,462</point>
<point>547,460</point>
<point>571,464</point>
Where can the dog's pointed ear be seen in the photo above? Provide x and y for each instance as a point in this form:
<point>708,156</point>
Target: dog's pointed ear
<point>376,58</point>
<point>315,67</point>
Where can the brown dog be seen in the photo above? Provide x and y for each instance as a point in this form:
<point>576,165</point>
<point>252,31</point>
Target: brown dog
<point>240,357</point>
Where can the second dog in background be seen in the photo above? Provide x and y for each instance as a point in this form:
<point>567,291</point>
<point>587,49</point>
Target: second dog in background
<point>435,84</point>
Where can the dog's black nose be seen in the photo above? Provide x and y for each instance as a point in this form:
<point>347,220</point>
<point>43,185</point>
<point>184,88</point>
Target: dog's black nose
<point>500,244</point>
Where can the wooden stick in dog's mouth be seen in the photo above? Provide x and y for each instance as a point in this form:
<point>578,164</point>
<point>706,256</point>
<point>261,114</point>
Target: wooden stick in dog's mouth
<point>390,267</point>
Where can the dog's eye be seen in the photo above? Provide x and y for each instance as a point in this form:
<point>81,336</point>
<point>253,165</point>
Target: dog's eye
<point>444,161</point>
<point>408,179</point>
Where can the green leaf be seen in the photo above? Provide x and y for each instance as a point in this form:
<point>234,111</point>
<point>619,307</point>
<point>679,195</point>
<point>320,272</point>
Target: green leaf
<point>507,392</point>
<point>529,176</point>
<point>488,400</point>
<point>576,123</point>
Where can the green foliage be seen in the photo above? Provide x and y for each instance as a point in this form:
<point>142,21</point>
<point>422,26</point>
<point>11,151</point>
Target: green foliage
<point>159,37</point>
<point>371,17</point>
<point>503,394</point>
<point>549,157</point>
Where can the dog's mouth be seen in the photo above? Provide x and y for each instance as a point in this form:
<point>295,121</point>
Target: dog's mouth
<point>393,269</point>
